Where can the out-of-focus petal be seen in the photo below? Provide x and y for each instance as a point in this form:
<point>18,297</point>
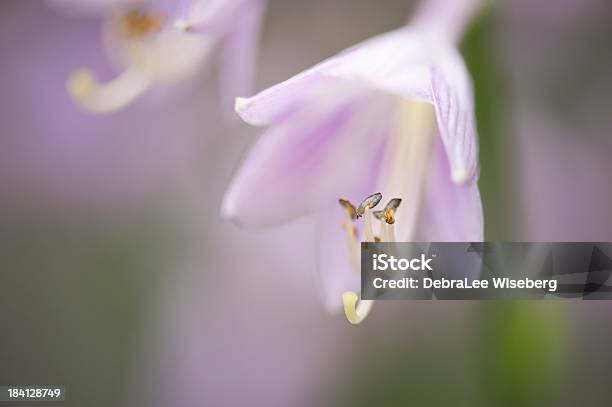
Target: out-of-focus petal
<point>215,17</point>
<point>238,55</point>
<point>450,211</point>
<point>166,58</point>
<point>453,100</point>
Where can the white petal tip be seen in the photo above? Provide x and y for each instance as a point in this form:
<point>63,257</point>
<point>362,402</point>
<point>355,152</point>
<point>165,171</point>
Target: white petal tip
<point>228,211</point>
<point>460,176</point>
<point>240,105</point>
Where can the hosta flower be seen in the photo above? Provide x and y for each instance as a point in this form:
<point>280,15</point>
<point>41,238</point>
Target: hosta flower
<point>392,116</point>
<point>161,43</point>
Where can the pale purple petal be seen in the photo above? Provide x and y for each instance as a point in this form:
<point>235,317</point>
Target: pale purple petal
<point>334,271</point>
<point>279,100</point>
<point>299,163</point>
<point>398,63</point>
<point>450,211</point>
<point>453,100</point>
<point>334,268</point>
<point>279,177</point>
<point>393,62</point>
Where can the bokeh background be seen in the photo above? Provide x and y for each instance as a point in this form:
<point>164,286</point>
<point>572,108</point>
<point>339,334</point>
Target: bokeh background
<point>120,280</point>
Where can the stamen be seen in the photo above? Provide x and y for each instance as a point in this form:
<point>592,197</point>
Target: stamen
<point>387,224</point>
<point>355,312</point>
<point>369,203</point>
<point>353,245</point>
<point>108,97</point>
<point>392,205</point>
<point>390,232</point>
<point>384,232</point>
<point>380,215</point>
<point>352,234</point>
<point>349,207</point>
<point>368,230</point>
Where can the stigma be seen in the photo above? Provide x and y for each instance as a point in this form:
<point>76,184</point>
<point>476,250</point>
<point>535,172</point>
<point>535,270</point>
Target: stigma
<point>357,310</point>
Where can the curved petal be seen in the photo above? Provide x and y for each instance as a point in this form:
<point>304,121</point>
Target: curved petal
<point>278,101</point>
<point>285,169</point>
<point>298,164</point>
<point>450,211</point>
<point>395,62</point>
<point>405,64</point>
<point>453,100</point>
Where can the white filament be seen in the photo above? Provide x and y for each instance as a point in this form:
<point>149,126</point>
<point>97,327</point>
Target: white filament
<point>107,97</point>
<point>367,230</point>
<point>353,244</point>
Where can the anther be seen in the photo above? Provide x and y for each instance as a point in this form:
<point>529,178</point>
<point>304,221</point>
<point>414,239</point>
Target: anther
<point>368,203</point>
<point>388,213</point>
<point>349,207</point>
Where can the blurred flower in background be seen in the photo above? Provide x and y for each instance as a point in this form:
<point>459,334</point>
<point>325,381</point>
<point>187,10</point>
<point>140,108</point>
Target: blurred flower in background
<point>394,114</point>
<point>159,43</point>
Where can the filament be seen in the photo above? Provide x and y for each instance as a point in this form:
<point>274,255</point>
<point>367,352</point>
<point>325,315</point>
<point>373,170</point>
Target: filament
<point>353,244</point>
<point>107,97</point>
<point>368,231</point>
